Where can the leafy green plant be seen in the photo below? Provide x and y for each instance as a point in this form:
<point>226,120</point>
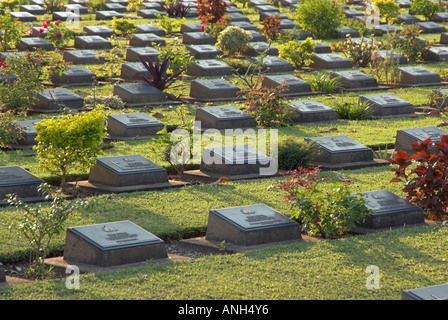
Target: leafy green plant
<point>410,45</point>
<point>267,105</point>
<point>10,32</point>
<point>319,17</point>
<point>179,56</point>
<point>385,68</point>
<point>39,225</point>
<point>215,28</point>
<point>353,111</point>
<point>111,101</point>
<point>426,8</point>
<point>233,40</point>
<point>425,176</point>
<point>57,34</point>
<point>53,5</point>
<point>300,54</point>
<point>271,27</point>
<point>330,214</point>
<point>389,9</point>
<point>114,58</point>
<point>358,52</point>
<point>134,5</point>
<point>10,4</point>
<point>170,25</point>
<point>124,26</point>
<point>293,154</point>
<point>322,81</point>
<point>70,141</point>
<point>9,132</point>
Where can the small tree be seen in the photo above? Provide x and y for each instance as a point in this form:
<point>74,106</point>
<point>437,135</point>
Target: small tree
<point>70,141</point>
<point>320,17</point>
<point>389,9</point>
<point>39,224</point>
<point>300,54</point>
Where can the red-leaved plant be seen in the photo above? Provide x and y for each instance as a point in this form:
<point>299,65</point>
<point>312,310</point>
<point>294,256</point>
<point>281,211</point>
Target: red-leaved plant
<point>158,72</point>
<point>425,174</point>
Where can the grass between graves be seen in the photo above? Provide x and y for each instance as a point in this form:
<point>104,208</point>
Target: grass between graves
<point>328,269</point>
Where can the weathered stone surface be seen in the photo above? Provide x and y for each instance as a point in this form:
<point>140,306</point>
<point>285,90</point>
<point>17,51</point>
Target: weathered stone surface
<point>15,179</point>
<point>53,100</point>
<point>406,137</point>
<point>330,61</point>
<point>209,68</point>
<point>224,117</point>
<point>132,125</point>
<point>203,51</point>
<point>387,104</point>
<point>139,94</point>
<point>311,111</point>
<point>436,292</point>
<point>355,80</point>
<point>418,76</point>
<point>74,76</point>
<point>216,89</point>
<point>92,42</point>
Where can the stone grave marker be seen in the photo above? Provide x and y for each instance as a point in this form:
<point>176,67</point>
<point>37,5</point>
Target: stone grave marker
<point>418,76</point>
<point>404,3</point>
<point>147,52</point>
<point>398,58</point>
<point>112,244</point>
<point>224,117</point>
<point>385,29</point>
<point>126,171</point>
<point>146,39</point>
<point>191,27</point>
<point>273,64</point>
<point>122,2</point>
<point>235,16</point>
<point>153,5</point>
<point>234,160</point>
<point>264,15</point>
<point>101,31</point>
<point>407,19</point>
<point>150,28</point>
<point>295,86</point>
<point>254,49</point>
<point>33,43</point>
<point>355,80</point>
<point>437,53</point>
<point>6,55</point>
<point>257,36</point>
<point>406,137</point>
<point>344,31</point>
<point>430,27</point>
<point>388,104</point>
<point>203,51</point>
<point>82,57</point>
<point>286,24</point>
<point>107,15</point>
<point>115,7</point>
<point>330,61</point>
<point>23,16</point>
<point>15,179</point>
<point>78,8</point>
<point>245,25</point>
<point>131,70</point>
<point>33,9</point>
<point>320,47</point>
<point>65,16</point>
<point>92,42</point>
<point>197,38</point>
<point>136,94</point>
<point>38,32</point>
<point>74,76</point>
<point>352,13</point>
<point>342,152</point>
<point>389,211</point>
<point>444,38</point>
<point>132,125</point>
<point>436,292</point>
<point>52,100</point>
<point>28,132</point>
<point>209,68</point>
<point>307,111</point>
<point>440,17</point>
<point>149,13</point>
<point>250,225</point>
<point>213,89</point>
<point>266,8</point>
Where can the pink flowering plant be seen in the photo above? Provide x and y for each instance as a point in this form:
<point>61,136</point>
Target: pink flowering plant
<point>215,28</point>
<point>57,34</point>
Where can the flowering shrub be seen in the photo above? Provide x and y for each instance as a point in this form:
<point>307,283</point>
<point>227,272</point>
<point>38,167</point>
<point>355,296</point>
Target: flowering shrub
<point>410,45</point>
<point>215,28</point>
<point>426,182</point>
<point>267,105</point>
<point>211,10</point>
<point>331,214</point>
<point>126,27</point>
<point>57,34</point>
<point>389,9</point>
<point>359,53</point>
<point>233,40</point>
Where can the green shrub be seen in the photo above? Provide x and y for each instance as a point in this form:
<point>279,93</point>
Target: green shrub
<point>359,53</point>
<point>53,5</point>
<point>179,56</point>
<point>322,82</point>
<point>300,54</point>
<point>389,9</point>
<point>426,8</point>
<point>124,26</point>
<point>319,17</point>
<point>9,132</point>
<point>410,45</point>
<point>353,111</point>
<point>293,154</point>
<point>112,102</point>
<point>168,24</point>
<point>70,141</point>
<point>10,31</point>
<point>233,40</point>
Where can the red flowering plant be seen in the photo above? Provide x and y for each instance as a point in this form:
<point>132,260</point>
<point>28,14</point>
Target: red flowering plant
<point>425,175</point>
<point>320,212</point>
<point>215,28</point>
<point>57,34</point>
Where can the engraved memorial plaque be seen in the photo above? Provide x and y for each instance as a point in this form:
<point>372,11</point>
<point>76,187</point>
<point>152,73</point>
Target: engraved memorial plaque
<point>107,15</point>
<point>224,117</point>
<point>311,111</point>
<point>418,76</point>
<point>15,179</point>
<point>387,104</point>
<point>251,225</point>
<point>101,31</point>
<point>209,68</point>
<point>139,94</point>
<point>52,100</point>
<point>133,125</point>
<point>213,89</point>
<point>82,57</point>
<point>330,61</point>
<point>198,38</point>
<point>436,292</point>
<point>146,39</point>
<point>92,42</point>
<point>148,52</point>
<point>33,43</point>
<point>406,137</point>
<point>203,51</point>
<point>28,132</point>
<point>354,80</point>
<point>294,85</point>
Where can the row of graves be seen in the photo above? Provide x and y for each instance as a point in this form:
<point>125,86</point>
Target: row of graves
<point>101,247</point>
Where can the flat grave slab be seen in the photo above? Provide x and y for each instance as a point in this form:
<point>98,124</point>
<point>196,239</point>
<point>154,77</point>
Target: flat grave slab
<point>436,292</point>
<point>255,48</point>
<point>385,29</point>
<point>273,64</point>
<point>404,3</point>
<point>101,31</point>
<point>112,244</point>
<point>387,54</point>
<point>135,95</point>
<point>33,9</point>
<point>295,86</point>
<point>52,100</point>
<point>406,137</point>
<point>65,16</point>
<point>74,76</point>
<point>33,43</point>
<point>245,25</point>
<point>147,52</point>
<point>388,105</point>
<point>264,15</point>
<point>287,24</point>
<point>115,7</point>
<point>440,17</point>
<point>344,31</point>
<point>444,38</point>
<point>418,76</point>
<point>355,80</point>
<point>407,19</point>
<point>38,32</point>
<point>437,54</point>
<point>330,61</point>
<point>310,111</point>
<point>150,28</point>
<point>7,55</point>
<point>149,13</point>
<point>82,57</point>
<point>430,27</point>
<point>132,70</point>
<point>235,16</point>
<point>132,126</point>
<point>250,225</point>
<point>320,47</point>
<point>23,16</point>
<point>92,42</point>
<point>342,152</point>
<point>224,117</point>
<point>197,38</point>
<point>191,27</point>
<point>15,179</point>
<point>352,13</point>
<point>266,8</point>
<point>146,39</point>
<point>389,211</point>
<point>213,89</point>
<point>107,15</point>
<point>76,8</point>
<point>28,132</point>
<point>203,51</point>
<point>257,36</point>
<point>209,68</point>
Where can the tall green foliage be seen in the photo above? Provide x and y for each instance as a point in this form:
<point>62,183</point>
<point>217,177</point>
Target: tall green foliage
<point>320,17</point>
